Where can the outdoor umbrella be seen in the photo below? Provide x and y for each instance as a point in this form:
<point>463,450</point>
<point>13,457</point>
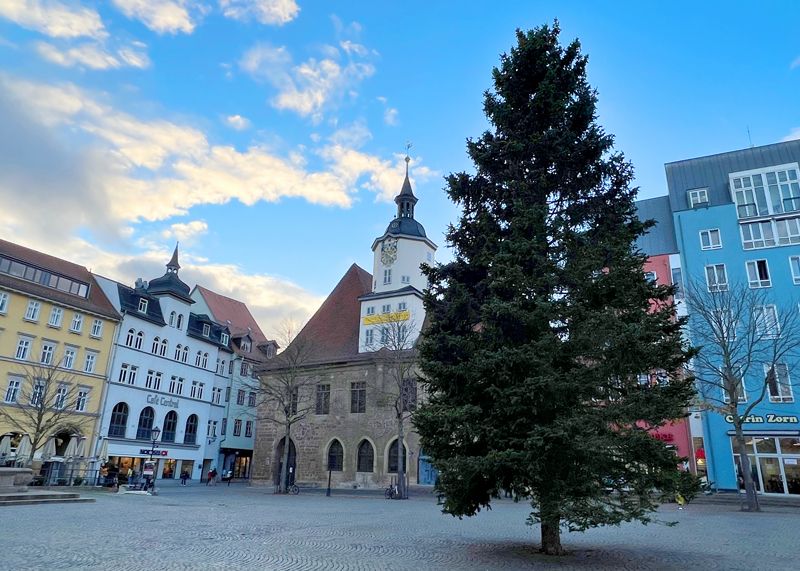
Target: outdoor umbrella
<point>5,445</point>
<point>49,448</point>
<point>103,454</point>
<point>81,451</point>
<point>24,448</point>
<point>72,448</point>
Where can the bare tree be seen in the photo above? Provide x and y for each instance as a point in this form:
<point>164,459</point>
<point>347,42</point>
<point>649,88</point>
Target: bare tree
<point>394,343</point>
<point>286,387</point>
<point>744,341</point>
<point>43,403</point>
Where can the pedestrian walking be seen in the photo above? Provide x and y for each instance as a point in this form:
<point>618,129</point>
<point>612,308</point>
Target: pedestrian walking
<point>230,477</point>
<point>214,476</point>
<point>210,476</point>
<point>184,477</point>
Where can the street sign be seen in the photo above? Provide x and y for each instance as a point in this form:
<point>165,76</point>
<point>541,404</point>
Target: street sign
<point>149,468</point>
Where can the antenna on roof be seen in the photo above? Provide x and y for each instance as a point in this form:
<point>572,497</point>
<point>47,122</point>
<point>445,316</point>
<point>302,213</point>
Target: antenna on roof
<point>749,138</point>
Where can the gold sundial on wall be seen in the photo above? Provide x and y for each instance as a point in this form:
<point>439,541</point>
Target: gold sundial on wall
<point>389,251</point>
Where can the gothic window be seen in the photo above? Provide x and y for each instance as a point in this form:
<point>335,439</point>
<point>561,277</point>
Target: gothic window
<point>393,457</point>
<point>129,338</point>
<point>164,347</point>
<point>156,343</point>
<point>139,340</point>
<point>366,457</point>
<point>335,456</point>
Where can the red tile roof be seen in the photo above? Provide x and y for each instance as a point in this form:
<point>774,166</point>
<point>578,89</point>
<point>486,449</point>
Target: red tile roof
<point>224,309</point>
<point>95,302</point>
<point>332,332</point>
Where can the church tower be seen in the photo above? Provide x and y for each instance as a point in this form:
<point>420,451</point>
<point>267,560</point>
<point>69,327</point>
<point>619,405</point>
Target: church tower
<point>396,297</point>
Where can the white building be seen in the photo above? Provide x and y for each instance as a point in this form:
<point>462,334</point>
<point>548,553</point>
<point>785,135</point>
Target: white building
<point>165,374</point>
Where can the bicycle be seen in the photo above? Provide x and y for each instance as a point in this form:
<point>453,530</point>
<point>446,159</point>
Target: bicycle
<point>390,492</point>
<point>293,489</point>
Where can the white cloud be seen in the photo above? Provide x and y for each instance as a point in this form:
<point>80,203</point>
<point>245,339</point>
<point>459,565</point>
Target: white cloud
<point>353,48</point>
<point>390,116</point>
<point>237,122</point>
<point>54,18</point>
<point>354,135</point>
<point>274,12</point>
<point>306,88</point>
<point>793,135</point>
<point>92,55</point>
<point>185,231</point>
<point>161,16</point>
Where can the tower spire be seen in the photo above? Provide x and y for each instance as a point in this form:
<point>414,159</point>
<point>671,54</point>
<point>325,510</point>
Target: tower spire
<point>406,200</point>
<point>173,266</point>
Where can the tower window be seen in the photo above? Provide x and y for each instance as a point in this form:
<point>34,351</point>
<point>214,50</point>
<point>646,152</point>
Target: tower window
<point>387,276</point>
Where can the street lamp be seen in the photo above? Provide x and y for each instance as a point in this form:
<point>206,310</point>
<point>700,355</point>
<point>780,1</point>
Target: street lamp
<point>154,434</point>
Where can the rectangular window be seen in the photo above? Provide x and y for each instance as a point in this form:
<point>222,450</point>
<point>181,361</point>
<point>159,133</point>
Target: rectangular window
<point>710,239</point>
<point>386,308</point>
<point>716,277</point>
<point>38,393</point>
<point>251,399</point>
<point>369,337</point>
<point>358,397</point>
<point>82,400</point>
<point>244,370</point>
<point>123,373</point>
<point>766,321</point>
<point>227,394</point>
<point>200,389</point>
<point>237,427</point>
<point>758,274</point>
<point>408,395</point>
<point>69,357</point>
<point>61,397</point>
<point>248,429</point>
<point>206,330</point>
<point>405,279</point>
<point>12,392</point>
<point>240,397</point>
<point>778,383</point>
<point>216,395</point>
<point>48,350</point>
<point>77,323</point>
<point>90,363</point>
<point>401,306</point>
<point>3,302</point>
<point>32,313</point>
<point>293,401</point>
<point>384,335</point>
<point>788,231</point>
<point>323,399</point>
<point>23,349</point>
<point>757,235</point>
<point>794,264</point>
<point>56,317</point>
<point>224,338</point>
<point>371,310</point>
<point>651,277</point>
<point>132,375</point>
<point>179,388</point>
<point>173,384</point>
<point>677,281</point>
<point>740,390</point>
<point>150,379</point>
<point>697,197</point>
<point>770,191</point>
<point>193,390</point>
<point>387,276</point>
<point>142,305</point>
<point>224,428</point>
<point>97,329</point>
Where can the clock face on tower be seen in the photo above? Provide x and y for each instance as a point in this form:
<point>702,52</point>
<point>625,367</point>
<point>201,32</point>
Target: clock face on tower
<point>389,251</point>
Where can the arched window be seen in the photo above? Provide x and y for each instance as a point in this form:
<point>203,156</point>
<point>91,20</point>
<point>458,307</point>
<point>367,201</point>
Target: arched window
<point>180,321</point>
<point>145,424</point>
<point>185,357</point>
<point>119,419</point>
<point>197,358</point>
<point>222,367</point>
<point>393,457</point>
<point>129,338</point>
<point>172,319</point>
<point>164,347</point>
<point>204,363</point>
<point>366,457</point>
<point>178,352</point>
<point>190,434</point>
<point>335,456</point>
<point>170,426</point>
<point>155,345</point>
<point>139,340</point>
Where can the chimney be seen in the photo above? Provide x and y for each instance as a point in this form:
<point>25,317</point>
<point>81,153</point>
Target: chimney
<point>140,283</point>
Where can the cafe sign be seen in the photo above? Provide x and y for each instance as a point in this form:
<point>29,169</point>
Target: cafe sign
<point>164,401</point>
<point>765,418</point>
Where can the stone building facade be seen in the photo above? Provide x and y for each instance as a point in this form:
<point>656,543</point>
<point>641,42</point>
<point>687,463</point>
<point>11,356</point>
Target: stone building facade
<point>351,373</point>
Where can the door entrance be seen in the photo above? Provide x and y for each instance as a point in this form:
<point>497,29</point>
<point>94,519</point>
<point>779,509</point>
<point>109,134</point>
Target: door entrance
<point>291,473</point>
<point>427,473</point>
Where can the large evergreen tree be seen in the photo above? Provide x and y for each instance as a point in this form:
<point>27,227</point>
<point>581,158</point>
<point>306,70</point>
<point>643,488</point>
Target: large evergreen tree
<point>543,322</point>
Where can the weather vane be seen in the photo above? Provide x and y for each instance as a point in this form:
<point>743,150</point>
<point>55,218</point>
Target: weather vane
<point>408,159</point>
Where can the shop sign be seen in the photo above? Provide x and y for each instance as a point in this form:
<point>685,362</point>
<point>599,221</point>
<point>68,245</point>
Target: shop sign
<point>149,452</point>
<point>164,401</point>
<point>761,419</point>
<point>665,437</point>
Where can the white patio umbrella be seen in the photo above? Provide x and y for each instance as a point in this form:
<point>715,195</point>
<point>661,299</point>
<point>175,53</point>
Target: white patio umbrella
<point>24,448</point>
<point>103,454</point>
<point>81,451</point>
<point>5,445</point>
<point>49,448</point>
<point>72,448</point>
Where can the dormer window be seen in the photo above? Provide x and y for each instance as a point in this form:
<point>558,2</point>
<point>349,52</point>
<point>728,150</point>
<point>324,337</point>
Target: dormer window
<point>697,197</point>
<point>224,339</point>
<point>245,345</point>
<point>142,305</point>
<point>206,330</point>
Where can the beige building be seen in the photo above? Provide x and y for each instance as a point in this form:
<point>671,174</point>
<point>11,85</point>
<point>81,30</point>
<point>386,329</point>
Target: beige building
<point>56,332</point>
<point>351,426</point>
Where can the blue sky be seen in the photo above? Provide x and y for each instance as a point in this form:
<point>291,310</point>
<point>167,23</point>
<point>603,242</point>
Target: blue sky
<point>268,135</point>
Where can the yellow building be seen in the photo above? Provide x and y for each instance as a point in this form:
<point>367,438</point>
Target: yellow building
<point>57,329</point>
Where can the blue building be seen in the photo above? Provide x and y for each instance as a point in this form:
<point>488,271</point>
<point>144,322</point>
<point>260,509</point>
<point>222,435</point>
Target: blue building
<point>736,220</point>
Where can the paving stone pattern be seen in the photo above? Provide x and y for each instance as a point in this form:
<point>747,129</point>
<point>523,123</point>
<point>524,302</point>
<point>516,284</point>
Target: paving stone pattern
<point>237,527</point>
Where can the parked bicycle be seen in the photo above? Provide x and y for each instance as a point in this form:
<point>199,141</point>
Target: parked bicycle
<point>391,492</point>
<point>293,489</point>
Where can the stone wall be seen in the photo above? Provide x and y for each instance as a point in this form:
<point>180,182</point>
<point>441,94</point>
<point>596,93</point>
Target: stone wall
<point>313,435</point>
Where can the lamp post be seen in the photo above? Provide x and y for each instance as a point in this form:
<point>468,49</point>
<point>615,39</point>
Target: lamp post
<point>154,434</point>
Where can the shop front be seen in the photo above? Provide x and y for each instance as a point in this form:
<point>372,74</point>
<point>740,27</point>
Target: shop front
<point>237,461</point>
<point>170,460</point>
<point>774,463</point>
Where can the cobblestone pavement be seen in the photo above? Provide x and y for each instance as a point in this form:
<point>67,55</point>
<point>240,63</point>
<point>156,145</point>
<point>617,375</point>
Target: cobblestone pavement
<point>232,528</point>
